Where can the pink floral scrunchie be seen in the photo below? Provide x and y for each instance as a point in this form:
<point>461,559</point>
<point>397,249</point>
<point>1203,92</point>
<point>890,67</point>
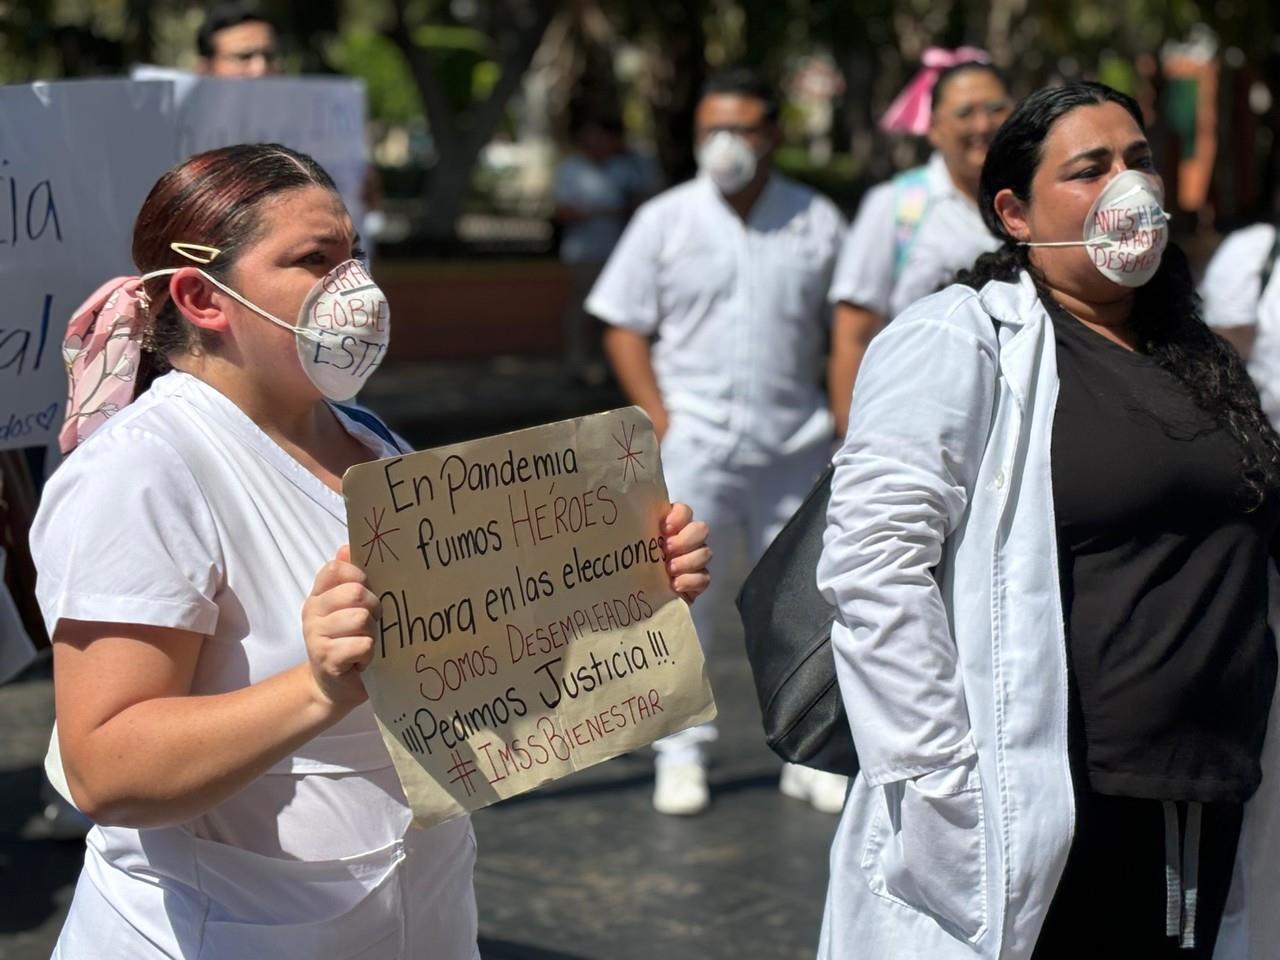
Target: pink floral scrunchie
<point>101,350</point>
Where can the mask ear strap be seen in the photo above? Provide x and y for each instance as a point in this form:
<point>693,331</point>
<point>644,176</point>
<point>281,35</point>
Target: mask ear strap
<point>235,296</point>
<point>1063,243</point>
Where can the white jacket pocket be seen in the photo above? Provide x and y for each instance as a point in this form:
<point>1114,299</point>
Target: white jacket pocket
<point>926,848</point>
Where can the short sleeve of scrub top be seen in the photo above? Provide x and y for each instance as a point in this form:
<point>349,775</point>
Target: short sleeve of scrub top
<point>127,537</point>
<point>626,294</point>
<point>864,272</point>
<point>1232,285</point>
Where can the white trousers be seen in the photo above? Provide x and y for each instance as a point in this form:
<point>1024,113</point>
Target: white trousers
<point>751,502</point>
<point>413,899</point>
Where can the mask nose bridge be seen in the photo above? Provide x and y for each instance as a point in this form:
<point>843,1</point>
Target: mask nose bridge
<point>1139,180</point>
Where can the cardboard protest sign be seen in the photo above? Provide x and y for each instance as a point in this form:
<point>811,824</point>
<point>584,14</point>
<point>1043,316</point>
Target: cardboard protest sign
<point>76,162</point>
<point>320,116</point>
<point>528,625</point>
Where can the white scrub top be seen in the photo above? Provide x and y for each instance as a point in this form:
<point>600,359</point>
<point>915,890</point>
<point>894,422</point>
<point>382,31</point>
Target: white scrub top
<point>948,238</point>
<point>738,310</point>
<point>180,512</point>
<point>1233,297</point>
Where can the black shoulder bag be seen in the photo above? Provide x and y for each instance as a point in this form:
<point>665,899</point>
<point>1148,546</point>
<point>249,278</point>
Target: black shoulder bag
<point>787,625</point>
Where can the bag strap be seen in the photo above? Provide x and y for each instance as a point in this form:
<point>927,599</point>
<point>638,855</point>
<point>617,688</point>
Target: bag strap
<point>369,419</point>
<point>1269,264</point>
<point>910,204</point>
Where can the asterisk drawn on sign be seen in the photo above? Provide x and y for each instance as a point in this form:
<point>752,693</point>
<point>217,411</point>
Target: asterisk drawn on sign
<point>630,457</point>
<point>379,539</point>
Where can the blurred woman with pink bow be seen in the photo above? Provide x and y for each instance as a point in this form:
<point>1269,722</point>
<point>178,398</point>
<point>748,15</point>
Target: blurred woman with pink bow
<point>914,232</point>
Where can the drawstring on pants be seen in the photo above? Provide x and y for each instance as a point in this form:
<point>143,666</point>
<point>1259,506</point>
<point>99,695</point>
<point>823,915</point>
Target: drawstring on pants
<point>1181,873</point>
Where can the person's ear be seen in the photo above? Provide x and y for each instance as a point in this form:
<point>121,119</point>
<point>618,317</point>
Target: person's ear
<point>935,141</point>
<point>199,300</point>
<point>1013,214</point>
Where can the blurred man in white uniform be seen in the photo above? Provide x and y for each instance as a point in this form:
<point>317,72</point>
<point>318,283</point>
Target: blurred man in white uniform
<point>715,300</point>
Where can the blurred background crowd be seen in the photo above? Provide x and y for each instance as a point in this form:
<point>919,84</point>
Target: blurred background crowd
<point>472,104</point>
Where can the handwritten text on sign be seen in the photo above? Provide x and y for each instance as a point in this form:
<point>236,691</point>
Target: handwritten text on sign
<point>62,232</point>
<point>528,626</point>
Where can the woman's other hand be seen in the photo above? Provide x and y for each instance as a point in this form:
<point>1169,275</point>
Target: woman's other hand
<point>686,551</point>
<point>338,622</point>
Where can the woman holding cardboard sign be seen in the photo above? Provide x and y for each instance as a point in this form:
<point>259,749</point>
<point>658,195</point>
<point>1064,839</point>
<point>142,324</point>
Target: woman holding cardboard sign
<point>246,804</point>
<point>1050,538</point>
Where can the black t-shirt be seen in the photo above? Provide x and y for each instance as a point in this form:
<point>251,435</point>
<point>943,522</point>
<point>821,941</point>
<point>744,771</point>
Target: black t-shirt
<point>1164,580</point>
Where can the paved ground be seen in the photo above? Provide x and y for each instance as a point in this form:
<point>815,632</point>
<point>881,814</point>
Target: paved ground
<point>580,870</point>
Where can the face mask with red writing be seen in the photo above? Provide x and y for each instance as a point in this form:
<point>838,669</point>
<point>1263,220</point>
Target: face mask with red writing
<point>1126,230</point>
<point>343,327</point>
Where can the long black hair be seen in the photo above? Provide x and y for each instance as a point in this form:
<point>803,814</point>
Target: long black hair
<point>1166,310</point>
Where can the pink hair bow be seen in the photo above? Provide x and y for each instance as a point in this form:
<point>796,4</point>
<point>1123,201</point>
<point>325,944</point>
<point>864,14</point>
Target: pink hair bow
<point>910,110</point>
<point>101,350</point>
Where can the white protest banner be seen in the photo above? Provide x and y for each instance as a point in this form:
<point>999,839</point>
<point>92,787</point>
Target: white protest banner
<point>528,626</point>
<point>320,116</point>
<point>76,162</point>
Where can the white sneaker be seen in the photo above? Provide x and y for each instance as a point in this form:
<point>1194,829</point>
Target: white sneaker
<point>794,782</point>
<point>823,791</point>
<point>681,789</point>
<point>827,791</point>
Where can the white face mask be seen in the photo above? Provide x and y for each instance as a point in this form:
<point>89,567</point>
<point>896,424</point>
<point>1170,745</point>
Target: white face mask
<point>343,328</point>
<point>728,160</point>
<point>1126,230</point>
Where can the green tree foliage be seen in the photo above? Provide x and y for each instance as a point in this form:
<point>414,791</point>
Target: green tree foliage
<point>456,63</point>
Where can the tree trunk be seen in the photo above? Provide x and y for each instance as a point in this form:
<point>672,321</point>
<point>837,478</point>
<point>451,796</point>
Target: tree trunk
<point>1002,16</point>
<point>143,46</point>
<point>460,138</point>
<point>679,73</point>
<point>1269,192</point>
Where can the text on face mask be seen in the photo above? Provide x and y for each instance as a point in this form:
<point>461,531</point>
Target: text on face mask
<point>351,311</point>
<point>1129,219</point>
<point>1125,261</point>
<point>347,353</point>
<point>346,277</point>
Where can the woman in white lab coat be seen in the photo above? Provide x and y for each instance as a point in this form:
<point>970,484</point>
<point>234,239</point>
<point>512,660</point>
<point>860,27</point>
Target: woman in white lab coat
<point>1050,540</point>
<point>209,628</point>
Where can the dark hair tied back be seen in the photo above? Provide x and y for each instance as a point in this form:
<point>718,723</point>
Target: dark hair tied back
<point>214,199</point>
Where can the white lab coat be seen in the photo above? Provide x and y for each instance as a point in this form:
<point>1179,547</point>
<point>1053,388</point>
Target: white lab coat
<point>941,558</point>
